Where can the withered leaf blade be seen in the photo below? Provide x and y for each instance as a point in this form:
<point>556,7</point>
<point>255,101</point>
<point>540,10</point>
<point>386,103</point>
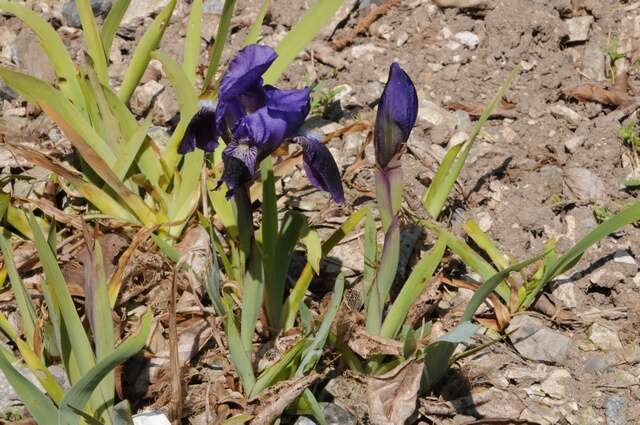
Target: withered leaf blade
<point>366,345</point>
<point>392,396</point>
<point>279,397</point>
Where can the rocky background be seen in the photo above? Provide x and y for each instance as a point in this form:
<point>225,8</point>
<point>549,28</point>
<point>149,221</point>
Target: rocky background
<point>547,166</point>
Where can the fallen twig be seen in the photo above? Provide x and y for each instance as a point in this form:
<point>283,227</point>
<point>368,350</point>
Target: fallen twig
<point>364,23</point>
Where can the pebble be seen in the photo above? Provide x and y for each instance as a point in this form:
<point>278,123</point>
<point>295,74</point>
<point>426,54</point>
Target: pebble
<point>6,92</point>
<point>402,38</point>
<point>593,62</point>
<point>72,18</point>
<point>468,39</point>
<point>603,337</point>
<point>165,107</point>
<point>535,341</point>
<point>563,111</point>
<point>453,45</point>
<point>572,144</point>
<point>579,28</point>
<point>31,58</point>
<point>566,293</point>
<point>622,256</point>
<point>614,410</point>
<point>365,51</point>
<point>457,139</point>
<point>144,95</point>
<point>556,383</point>
<point>584,184</point>
<point>138,10</point>
<point>151,418</point>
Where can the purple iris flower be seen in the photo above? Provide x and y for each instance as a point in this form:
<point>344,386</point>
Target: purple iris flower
<point>397,113</point>
<point>254,120</point>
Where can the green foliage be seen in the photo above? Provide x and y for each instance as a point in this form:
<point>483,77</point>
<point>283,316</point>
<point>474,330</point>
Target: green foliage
<point>89,359</point>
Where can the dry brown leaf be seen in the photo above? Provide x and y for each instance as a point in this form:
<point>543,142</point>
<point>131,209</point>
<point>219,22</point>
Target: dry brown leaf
<point>278,397</point>
<point>425,304</point>
<point>503,110</point>
<point>366,345</point>
<point>392,396</point>
<point>617,95</point>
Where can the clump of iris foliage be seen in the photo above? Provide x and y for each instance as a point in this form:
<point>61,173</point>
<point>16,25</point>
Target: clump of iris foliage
<point>220,158</point>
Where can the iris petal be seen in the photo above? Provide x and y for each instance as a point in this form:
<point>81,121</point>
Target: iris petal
<point>239,165</point>
<point>291,105</point>
<point>201,131</point>
<point>320,167</point>
<point>264,128</point>
<point>397,113</point>
<point>245,70</point>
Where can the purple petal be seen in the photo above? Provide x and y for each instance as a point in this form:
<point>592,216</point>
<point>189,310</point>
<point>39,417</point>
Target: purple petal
<point>228,114</point>
<point>320,167</point>
<point>264,129</point>
<point>397,112</point>
<point>201,131</point>
<point>245,70</point>
<point>239,165</point>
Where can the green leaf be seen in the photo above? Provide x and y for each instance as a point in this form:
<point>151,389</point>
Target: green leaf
<point>92,39</point>
<point>292,304</point>
<point>412,289</point>
<point>103,326</point>
<point>450,168</point>
<point>314,406</point>
<point>66,115</point>
<point>486,244</point>
<point>112,23</point>
<point>241,359</point>
<point>38,404</point>
<point>79,394</point>
<point>312,353</point>
<point>269,240</point>
<point>384,277</point>
<point>192,42</point>
<point>254,30</point>
<point>56,282</point>
<point>313,243</point>
<point>220,40</point>
<point>187,97</point>
<point>131,148</point>
<point>269,376</point>
<point>630,215</point>
<point>54,48</point>
<point>438,353</point>
<point>23,301</point>
<point>370,257</point>
<point>252,294</point>
<point>300,35</point>
<point>142,54</point>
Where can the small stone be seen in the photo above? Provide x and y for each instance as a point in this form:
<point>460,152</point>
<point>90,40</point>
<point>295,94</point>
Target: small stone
<point>572,144</point>
<point>31,58</point>
<point>453,45</point>
<point>595,364</point>
<point>485,221</point>
<point>584,184</point>
<point>579,28</point>
<point>468,39</point>
<point>366,51</point>
<point>603,337</point>
<point>457,139</point>
<point>335,414</point>
<point>213,6</point>
<point>165,107</point>
<point>434,115</point>
<point>556,384</point>
<point>72,18</point>
<point>593,62</point>
<point>144,95</point>
<point>566,293</point>
<point>563,111</point>
<point>534,341</point>
<point>614,410</point>
<point>150,418</point>
<point>622,256</point>
<point>402,38</point>
<point>138,10</point>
